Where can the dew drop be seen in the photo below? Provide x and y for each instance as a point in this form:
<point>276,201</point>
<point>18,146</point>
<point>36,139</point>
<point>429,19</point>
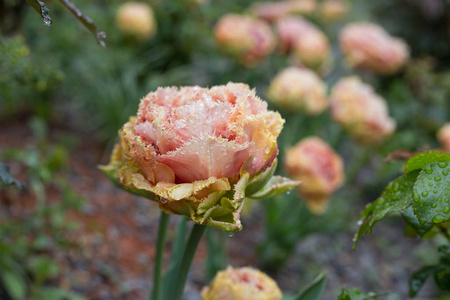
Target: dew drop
<point>288,192</point>
<point>267,150</point>
<point>354,239</point>
<point>430,184</point>
<point>425,193</point>
<point>231,235</point>
<point>437,178</point>
<point>428,169</point>
<point>442,164</point>
<point>438,219</point>
<point>433,205</point>
<point>396,187</point>
<point>446,209</point>
<point>360,222</point>
<point>416,196</point>
<point>47,21</point>
<point>445,172</point>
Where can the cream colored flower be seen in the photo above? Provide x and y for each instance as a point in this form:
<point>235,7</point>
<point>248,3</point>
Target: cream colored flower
<point>443,136</point>
<point>242,284</point>
<point>272,11</point>
<point>318,167</point>
<point>361,111</point>
<point>370,47</point>
<point>248,39</point>
<point>332,10</point>
<point>307,43</point>
<point>136,19</point>
<point>297,90</point>
<point>199,152</point>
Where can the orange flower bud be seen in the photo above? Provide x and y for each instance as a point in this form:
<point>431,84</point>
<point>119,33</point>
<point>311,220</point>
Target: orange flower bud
<point>332,10</point>
<point>319,169</point>
<point>361,111</point>
<point>308,44</point>
<point>297,90</point>
<point>370,47</point>
<point>242,284</point>
<point>443,136</point>
<point>136,19</point>
<point>248,39</point>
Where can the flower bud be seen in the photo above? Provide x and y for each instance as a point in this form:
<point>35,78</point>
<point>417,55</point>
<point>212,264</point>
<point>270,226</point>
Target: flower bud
<point>361,111</point>
<point>199,152</point>
<point>370,47</point>
<point>136,19</point>
<point>443,136</point>
<point>242,284</point>
<point>298,90</point>
<point>248,39</point>
<point>319,169</point>
<point>333,10</point>
<point>272,11</point>
<point>308,44</point>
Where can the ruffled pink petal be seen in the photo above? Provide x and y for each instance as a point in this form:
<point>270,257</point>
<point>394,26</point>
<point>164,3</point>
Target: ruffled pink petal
<point>205,157</point>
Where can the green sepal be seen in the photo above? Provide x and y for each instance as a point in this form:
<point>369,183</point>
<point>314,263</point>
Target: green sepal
<point>275,186</point>
<point>258,181</point>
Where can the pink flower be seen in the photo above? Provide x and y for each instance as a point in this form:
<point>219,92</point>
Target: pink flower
<point>443,136</point>
<point>298,90</point>
<point>136,19</point>
<point>248,39</point>
<point>361,111</point>
<point>318,167</point>
<point>308,44</point>
<point>199,151</point>
<point>271,11</point>
<point>242,284</point>
<point>370,47</point>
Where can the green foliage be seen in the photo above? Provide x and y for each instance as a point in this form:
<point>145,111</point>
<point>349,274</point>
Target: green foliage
<point>356,294</point>
<point>314,290</point>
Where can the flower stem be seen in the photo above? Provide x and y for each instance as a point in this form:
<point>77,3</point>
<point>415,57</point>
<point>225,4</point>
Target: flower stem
<point>188,255</point>
<point>163,224</point>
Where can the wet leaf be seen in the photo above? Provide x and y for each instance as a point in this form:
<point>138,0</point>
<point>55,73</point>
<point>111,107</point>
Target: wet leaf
<point>419,278</point>
<point>275,186</point>
<point>42,9</point>
<point>86,21</point>
<point>442,277</point>
<point>396,197</point>
<point>314,290</point>
<point>431,194</point>
<point>7,178</point>
<point>355,294</point>
<point>411,220</point>
<point>420,161</point>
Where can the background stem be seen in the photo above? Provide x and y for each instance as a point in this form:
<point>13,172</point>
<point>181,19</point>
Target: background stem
<point>163,224</point>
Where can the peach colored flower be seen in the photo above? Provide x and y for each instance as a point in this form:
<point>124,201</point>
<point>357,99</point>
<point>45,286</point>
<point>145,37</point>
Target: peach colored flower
<point>308,44</point>
<point>443,136</point>
<point>242,284</point>
<point>272,11</point>
<point>361,111</point>
<point>199,152</point>
<point>370,47</point>
<point>332,10</point>
<point>248,39</point>
<point>319,168</point>
<point>297,90</point>
<point>136,19</point>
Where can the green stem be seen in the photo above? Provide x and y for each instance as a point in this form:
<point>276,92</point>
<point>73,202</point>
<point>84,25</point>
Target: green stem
<point>188,255</point>
<point>162,231</point>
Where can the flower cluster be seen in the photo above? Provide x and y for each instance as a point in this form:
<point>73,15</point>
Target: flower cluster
<point>248,39</point>
<point>242,284</point>
<point>318,167</point>
<point>199,152</point>
<point>361,111</point>
<point>298,90</point>
<point>370,47</point>
<point>307,43</point>
<point>136,19</point>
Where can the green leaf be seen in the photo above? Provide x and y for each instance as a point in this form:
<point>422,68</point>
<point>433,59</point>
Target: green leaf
<point>418,279</point>
<point>14,284</point>
<point>356,294</point>
<point>431,194</point>
<point>411,220</point>
<point>86,21</point>
<point>7,178</point>
<point>314,290</point>
<point>396,197</point>
<point>275,186</point>
<point>442,277</point>
<point>40,7</point>
<point>420,161</point>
